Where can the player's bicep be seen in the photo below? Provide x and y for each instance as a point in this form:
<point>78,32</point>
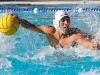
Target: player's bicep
<point>33,27</point>
<point>45,28</point>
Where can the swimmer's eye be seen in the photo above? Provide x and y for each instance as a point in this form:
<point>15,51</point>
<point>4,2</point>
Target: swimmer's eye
<point>63,20</point>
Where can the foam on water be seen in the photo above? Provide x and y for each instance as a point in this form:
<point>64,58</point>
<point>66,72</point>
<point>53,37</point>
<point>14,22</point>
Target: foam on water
<point>7,43</point>
<point>67,53</point>
<point>90,72</point>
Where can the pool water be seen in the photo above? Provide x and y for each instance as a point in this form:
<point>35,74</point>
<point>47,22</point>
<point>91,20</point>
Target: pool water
<point>28,52</point>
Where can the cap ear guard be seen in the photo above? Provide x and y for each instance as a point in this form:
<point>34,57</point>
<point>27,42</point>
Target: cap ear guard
<point>56,25</point>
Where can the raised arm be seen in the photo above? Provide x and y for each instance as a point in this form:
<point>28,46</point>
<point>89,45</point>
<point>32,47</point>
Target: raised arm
<point>38,28</point>
<point>24,23</point>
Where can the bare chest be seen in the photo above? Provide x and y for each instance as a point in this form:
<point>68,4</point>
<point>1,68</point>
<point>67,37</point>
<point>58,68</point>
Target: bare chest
<point>67,41</point>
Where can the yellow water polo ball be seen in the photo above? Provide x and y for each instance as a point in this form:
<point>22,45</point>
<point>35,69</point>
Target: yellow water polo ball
<point>9,24</point>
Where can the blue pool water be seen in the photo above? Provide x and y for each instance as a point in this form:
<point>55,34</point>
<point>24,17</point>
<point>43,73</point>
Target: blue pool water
<point>28,52</point>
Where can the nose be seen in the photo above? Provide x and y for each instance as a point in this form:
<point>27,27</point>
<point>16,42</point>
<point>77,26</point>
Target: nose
<point>66,22</point>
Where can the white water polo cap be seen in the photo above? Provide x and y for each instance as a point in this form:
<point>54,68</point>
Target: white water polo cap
<point>57,17</point>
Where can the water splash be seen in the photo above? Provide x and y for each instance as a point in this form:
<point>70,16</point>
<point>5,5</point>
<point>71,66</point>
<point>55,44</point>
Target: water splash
<point>91,72</point>
<point>6,46</point>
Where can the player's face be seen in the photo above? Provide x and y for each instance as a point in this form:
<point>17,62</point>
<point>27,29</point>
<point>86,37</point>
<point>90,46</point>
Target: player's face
<point>64,24</point>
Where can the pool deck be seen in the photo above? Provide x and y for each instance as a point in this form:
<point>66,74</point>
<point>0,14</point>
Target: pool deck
<point>50,2</point>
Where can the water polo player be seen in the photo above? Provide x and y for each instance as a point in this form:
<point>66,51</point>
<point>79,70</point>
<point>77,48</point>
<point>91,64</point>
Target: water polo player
<point>61,34</point>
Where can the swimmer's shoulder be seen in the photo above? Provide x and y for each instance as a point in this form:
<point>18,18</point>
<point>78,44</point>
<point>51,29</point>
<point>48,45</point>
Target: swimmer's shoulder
<point>48,29</point>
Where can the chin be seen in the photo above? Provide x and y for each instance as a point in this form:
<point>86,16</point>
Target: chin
<point>65,32</point>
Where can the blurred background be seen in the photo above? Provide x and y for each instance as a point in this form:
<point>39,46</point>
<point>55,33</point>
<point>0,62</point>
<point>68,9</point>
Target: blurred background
<point>47,0</point>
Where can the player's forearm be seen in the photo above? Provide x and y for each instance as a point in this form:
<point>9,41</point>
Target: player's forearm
<point>87,43</point>
<point>24,23</point>
<point>91,45</point>
<point>33,27</point>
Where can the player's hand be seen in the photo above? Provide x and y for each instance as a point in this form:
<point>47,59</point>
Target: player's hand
<point>96,46</point>
<point>16,16</point>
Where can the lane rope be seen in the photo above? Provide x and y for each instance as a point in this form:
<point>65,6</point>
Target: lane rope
<point>35,10</point>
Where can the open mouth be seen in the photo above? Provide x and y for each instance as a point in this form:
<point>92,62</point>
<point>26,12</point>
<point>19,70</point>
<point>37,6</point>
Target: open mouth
<point>65,27</point>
